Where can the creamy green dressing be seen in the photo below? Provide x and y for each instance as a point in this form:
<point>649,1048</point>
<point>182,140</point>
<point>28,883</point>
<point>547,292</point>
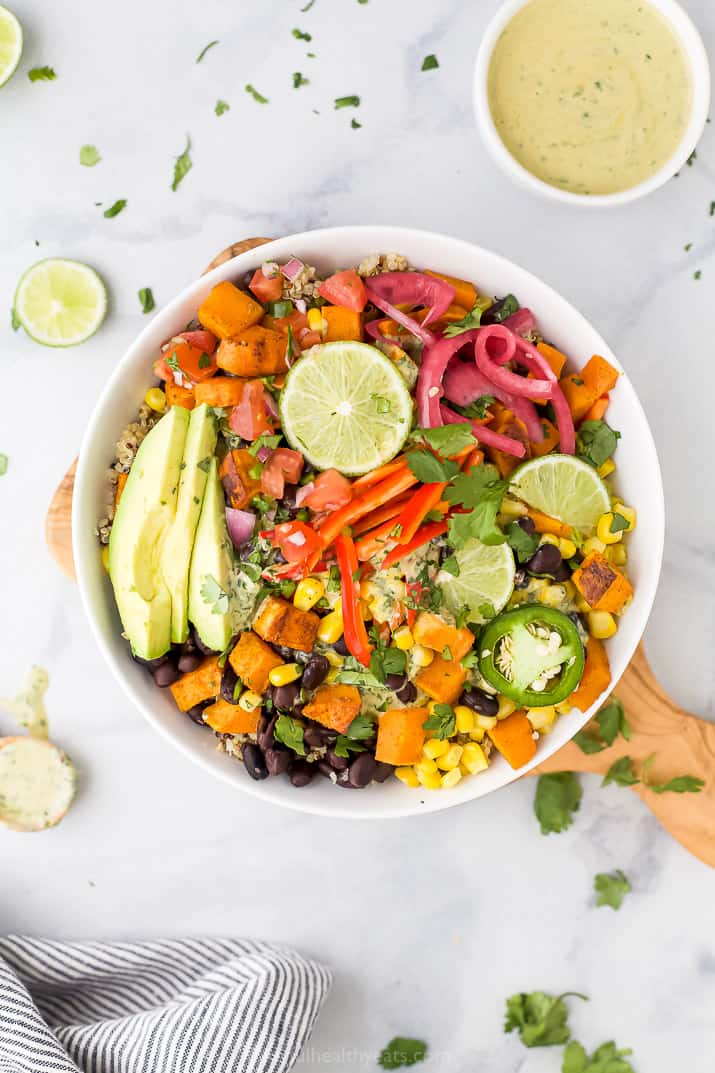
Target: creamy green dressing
<point>592,96</point>
<point>28,706</point>
<point>37,783</point>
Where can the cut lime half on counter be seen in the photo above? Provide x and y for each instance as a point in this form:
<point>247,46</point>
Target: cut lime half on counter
<point>10,44</point>
<point>565,488</point>
<point>346,407</point>
<point>484,583</point>
<point>60,303</point>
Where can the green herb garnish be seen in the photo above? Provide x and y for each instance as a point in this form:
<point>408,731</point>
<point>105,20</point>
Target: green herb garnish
<point>41,74</point>
<point>352,101</point>
<point>429,62</point>
<point>213,594</point>
<point>299,80</point>
<point>89,156</point>
<point>441,721</point>
<point>540,1019</point>
<point>182,165</point>
<point>146,299</point>
<point>401,1051</point>
<point>290,732</point>
<point>221,107</point>
<point>611,888</point>
<point>204,50</point>
<point>596,442</point>
<point>558,797</point>
<point>301,35</point>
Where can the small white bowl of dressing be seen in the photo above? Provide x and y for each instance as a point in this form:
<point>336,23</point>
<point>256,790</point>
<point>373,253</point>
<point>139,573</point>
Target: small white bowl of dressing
<point>592,102</point>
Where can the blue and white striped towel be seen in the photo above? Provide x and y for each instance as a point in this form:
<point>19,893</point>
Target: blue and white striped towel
<point>170,1006</point>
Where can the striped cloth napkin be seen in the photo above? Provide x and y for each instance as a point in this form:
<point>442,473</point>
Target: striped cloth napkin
<point>170,1006</point>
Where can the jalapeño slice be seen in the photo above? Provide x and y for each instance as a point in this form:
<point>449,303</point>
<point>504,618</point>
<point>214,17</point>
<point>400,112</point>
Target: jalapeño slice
<point>532,654</point>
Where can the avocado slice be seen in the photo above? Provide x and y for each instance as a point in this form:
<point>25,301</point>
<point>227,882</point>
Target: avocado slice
<point>210,576</point>
<point>144,516</point>
<point>176,555</point>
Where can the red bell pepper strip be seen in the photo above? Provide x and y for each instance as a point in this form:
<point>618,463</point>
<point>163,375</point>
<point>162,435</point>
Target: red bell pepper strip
<point>423,536</point>
<point>382,514</point>
<point>376,496</point>
<point>415,512</point>
<point>376,475</point>
<point>373,542</point>
<point>354,628</point>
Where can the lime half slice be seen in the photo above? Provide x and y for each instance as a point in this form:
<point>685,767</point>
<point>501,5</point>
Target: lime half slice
<point>60,303</point>
<point>346,407</point>
<point>564,487</point>
<point>484,583</point>
<point>10,44</point>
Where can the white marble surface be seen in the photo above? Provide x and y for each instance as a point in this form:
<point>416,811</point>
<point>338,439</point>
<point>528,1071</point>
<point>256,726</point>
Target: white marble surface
<point>428,924</point>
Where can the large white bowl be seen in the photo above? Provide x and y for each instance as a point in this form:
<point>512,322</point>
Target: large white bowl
<point>639,481</point>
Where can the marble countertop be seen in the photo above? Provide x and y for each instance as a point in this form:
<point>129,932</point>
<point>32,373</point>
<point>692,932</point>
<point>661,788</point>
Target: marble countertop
<point>429,924</point>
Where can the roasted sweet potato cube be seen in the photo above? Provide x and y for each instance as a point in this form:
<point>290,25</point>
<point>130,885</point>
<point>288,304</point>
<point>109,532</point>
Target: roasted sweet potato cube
<point>514,739</point>
<point>433,632</point>
<point>227,310</point>
<point>400,735</point>
<point>228,718</point>
<point>253,660</point>
<point>602,586</point>
<point>600,375</point>
<point>256,351</point>
<point>198,685</point>
<point>334,706</point>
<point>595,678</point>
<point>443,680</point>
<point>280,623</point>
<point>235,472</point>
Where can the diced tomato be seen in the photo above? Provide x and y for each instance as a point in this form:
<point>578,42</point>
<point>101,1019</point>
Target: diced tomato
<point>249,418</point>
<point>296,541</point>
<point>330,491</point>
<point>309,339</point>
<point>192,361</point>
<point>345,289</point>
<point>297,322</point>
<point>283,465</point>
<point>162,370</point>
<point>265,290</point>
<point>201,338</point>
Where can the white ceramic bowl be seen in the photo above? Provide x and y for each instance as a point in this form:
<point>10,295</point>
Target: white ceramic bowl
<point>696,55</point>
<point>639,482</point>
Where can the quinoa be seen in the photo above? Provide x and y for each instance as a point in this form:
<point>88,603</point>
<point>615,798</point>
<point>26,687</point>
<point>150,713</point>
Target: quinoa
<point>125,451</point>
<point>305,284</point>
<point>382,262</point>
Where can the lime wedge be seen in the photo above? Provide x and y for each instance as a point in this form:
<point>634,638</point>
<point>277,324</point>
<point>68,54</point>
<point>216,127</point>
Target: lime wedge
<point>10,44</point>
<point>565,488</point>
<point>346,407</point>
<point>60,303</point>
<point>484,583</point>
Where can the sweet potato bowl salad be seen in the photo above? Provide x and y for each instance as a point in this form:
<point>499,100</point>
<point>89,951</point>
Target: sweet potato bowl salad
<point>363,525</point>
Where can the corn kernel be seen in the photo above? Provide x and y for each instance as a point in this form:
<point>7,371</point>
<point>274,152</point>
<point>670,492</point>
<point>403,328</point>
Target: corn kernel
<point>541,719</point>
<point>563,708</point>
<point>464,718</point>
<point>601,624</point>
<point>552,596</point>
<point>330,629</point>
<point>421,656</point>
<point>607,468</point>
<point>431,780</point>
<point>567,548</point>
<point>403,639</point>
<point>477,734</point>
<point>627,513</point>
<point>485,722</point>
<point>435,747</point>
<point>617,554</point>
<point>603,530</point>
<point>425,767</point>
<point>316,320</point>
<point>450,778</point>
<point>593,544</point>
<point>407,776</point>
<point>570,590</point>
<point>105,557</point>
<point>368,590</point>
<point>473,758</point>
<point>450,759</point>
<point>332,675</point>
<point>249,700</point>
<point>549,538</point>
<point>155,400</point>
<point>307,593</point>
<point>333,658</point>
<point>506,707</point>
<point>582,605</point>
<point>285,673</point>
<point>536,584</point>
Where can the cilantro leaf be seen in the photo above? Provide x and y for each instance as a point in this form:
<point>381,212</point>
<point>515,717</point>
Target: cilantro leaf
<point>621,772</point>
<point>605,1059</point>
<point>402,1051</point>
<point>290,732</point>
<point>483,491</point>
<point>41,74</point>
<point>441,721</point>
<point>588,742</point>
<point>447,440</point>
<point>182,165</point>
<point>384,661</point>
<point>146,298</point>
<point>351,101</point>
<point>258,97</point>
<point>476,410</point>
<point>362,728</point>
<point>299,80</point>
<point>540,1019</point>
<point>205,49</point>
<point>115,209</point>
<point>89,156</point>
<point>596,442</point>
<point>264,440</point>
<point>611,888</point>
<point>212,593</point>
<point>301,35</point>
<point>680,784</point>
<point>612,721</point>
<point>523,544</point>
<point>618,523</point>
<point>429,62</point>
<point>354,124</point>
<point>344,746</point>
<point>470,489</point>
<point>472,320</point>
<point>502,308</point>
<point>430,469</point>
<point>557,798</point>
<point>221,107</point>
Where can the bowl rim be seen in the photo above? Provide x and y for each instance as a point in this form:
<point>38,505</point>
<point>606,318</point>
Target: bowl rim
<point>696,55</point>
<point>372,237</point>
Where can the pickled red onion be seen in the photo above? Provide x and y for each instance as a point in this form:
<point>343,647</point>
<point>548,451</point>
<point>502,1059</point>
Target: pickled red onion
<point>483,434</point>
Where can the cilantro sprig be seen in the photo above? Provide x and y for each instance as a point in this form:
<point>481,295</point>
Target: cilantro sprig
<point>290,732</point>
<point>473,319</point>
<point>540,1019</point>
<point>557,798</point>
<point>441,721</point>
<point>611,888</point>
<point>402,1051</point>
<point>596,442</point>
<point>182,165</point>
<point>481,491</point>
<point>611,721</point>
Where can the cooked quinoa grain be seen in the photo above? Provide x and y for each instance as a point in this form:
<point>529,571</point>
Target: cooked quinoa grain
<point>382,262</point>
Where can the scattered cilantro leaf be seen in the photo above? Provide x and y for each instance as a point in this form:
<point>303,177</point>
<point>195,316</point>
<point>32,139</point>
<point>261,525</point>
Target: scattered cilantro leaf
<point>621,772</point>
<point>486,610</point>
<point>173,362</point>
<point>692,158</point>
<point>205,49</point>
<point>712,208</point>
<point>540,1019</point>
<point>447,440</point>
<point>213,594</point>
<point>430,469</point>
<point>384,661</point>
<point>611,888</point>
<point>4,462</point>
<point>301,35</point>
<point>221,107</point>
<point>362,728</point>
<point>680,784</point>
<point>618,523</point>
<point>441,721</point>
<point>476,410</point>
<point>41,74</point>
<point>429,62</point>
<point>401,1051</point>
<point>355,125</point>
<point>698,274</point>
<point>308,6</point>
<point>596,442</point>
<point>290,732</point>
<point>299,80</point>
<point>146,299</point>
<point>605,1059</point>
<point>588,742</point>
<point>204,360</point>
<point>89,156</point>
<point>557,798</point>
<point>264,440</point>
<point>351,101</point>
<point>688,247</point>
<point>467,323</point>
<point>115,209</point>
<point>344,746</point>
<point>502,308</point>
<point>523,544</point>
<point>612,721</point>
<point>182,165</point>
<point>483,491</point>
<point>258,97</point>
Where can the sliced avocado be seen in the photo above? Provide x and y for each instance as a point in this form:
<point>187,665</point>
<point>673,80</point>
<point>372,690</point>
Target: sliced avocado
<point>144,516</point>
<point>210,576</point>
<point>176,556</point>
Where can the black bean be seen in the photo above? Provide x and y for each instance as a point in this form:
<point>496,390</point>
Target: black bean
<point>291,655</point>
<point>264,731</point>
<point>315,672</point>
<point>166,674</point>
<point>314,735</point>
<point>325,769</point>
<point>382,771</point>
<point>189,661</point>
<point>341,648</point>
<point>335,761</point>
<point>527,525</point>
<point>396,682</point>
<point>479,701</point>
<point>289,493</point>
<point>254,763</point>
<point>362,770</point>
<point>152,664</point>
<point>407,694</point>
<point>277,760</point>
<point>343,780</point>
<point>285,697</point>
<point>545,560</point>
<point>562,573</point>
<point>301,772</point>
<point>229,681</point>
<point>196,714</point>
